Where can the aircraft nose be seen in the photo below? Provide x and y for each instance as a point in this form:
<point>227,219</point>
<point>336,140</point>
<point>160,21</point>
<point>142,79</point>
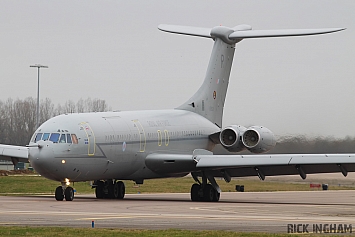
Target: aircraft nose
<point>42,160</point>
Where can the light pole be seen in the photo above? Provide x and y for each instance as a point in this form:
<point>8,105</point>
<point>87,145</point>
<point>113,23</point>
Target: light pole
<point>38,66</point>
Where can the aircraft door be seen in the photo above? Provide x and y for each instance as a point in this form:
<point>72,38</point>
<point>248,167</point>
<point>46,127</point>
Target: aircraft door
<point>90,138</point>
<point>166,136</point>
<point>141,134</point>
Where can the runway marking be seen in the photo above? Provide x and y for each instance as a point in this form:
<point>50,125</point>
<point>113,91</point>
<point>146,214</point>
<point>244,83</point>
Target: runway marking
<point>107,216</point>
<point>249,213</point>
<point>243,218</point>
<point>266,211</point>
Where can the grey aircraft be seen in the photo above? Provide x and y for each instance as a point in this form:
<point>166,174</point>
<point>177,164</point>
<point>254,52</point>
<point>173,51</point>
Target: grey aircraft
<point>108,147</point>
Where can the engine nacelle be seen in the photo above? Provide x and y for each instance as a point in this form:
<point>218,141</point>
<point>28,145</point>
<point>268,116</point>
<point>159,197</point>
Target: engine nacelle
<point>231,138</point>
<point>258,139</point>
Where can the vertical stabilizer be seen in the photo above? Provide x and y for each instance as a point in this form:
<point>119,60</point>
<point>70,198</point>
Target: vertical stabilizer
<point>209,100</point>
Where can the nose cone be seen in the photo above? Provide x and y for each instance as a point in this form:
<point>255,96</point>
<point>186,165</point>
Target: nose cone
<point>43,161</point>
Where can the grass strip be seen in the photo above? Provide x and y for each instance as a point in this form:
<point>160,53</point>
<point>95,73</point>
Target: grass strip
<point>98,232</point>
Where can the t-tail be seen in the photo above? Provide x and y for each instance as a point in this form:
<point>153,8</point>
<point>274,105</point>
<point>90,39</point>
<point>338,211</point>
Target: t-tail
<point>209,100</point>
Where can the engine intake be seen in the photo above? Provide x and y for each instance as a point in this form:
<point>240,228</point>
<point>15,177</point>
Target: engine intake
<point>258,139</point>
<point>231,138</point>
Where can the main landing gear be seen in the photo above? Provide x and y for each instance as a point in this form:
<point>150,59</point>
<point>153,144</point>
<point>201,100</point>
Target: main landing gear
<point>111,189</point>
<point>203,191</point>
<point>205,194</point>
<point>64,191</point>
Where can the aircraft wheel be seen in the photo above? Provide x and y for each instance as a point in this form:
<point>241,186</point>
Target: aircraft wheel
<point>121,190</point>
<point>195,188</point>
<point>110,189</point>
<point>99,190</point>
<point>208,193</point>
<point>69,194</point>
<point>115,190</point>
<point>59,196</point>
<point>216,196</point>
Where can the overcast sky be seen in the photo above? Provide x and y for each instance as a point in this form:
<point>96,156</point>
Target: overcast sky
<point>112,50</point>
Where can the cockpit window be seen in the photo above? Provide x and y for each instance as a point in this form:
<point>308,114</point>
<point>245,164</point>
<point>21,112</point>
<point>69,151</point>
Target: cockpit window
<point>74,139</point>
<point>62,139</point>
<point>54,137</point>
<point>38,137</point>
<point>45,136</point>
<point>68,138</point>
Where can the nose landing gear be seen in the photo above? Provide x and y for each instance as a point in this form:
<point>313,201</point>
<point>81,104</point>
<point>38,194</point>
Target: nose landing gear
<point>64,191</point>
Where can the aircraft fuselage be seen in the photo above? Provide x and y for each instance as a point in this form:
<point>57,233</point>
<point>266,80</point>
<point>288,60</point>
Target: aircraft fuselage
<point>114,145</point>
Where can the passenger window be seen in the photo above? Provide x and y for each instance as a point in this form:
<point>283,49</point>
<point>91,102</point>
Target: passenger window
<point>68,138</point>
<point>38,137</point>
<point>62,139</point>
<point>54,137</point>
<point>45,136</point>
<point>74,139</point>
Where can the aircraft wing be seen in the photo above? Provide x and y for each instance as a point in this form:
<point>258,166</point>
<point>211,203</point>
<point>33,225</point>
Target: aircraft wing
<point>280,164</point>
<point>254,165</point>
<point>14,153</point>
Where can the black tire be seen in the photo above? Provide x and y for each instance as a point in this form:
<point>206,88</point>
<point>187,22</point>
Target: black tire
<point>195,188</point>
<point>69,194</point>
<point>59,196</point>
<point>121,190</point>
<point>208,193</point>
<point>115,190</point>
<point>216,196</point>
<point>110,189</point>
<point>99,190</point>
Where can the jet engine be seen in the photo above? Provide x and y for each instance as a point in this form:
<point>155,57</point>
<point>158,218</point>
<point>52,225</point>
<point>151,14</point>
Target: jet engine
<point>256,139</point>
<point>231,138</point>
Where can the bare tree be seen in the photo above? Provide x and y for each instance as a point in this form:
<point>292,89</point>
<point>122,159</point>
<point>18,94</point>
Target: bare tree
<point>46,110</point>
<point>69,107</point>
<point>18,117</point>
<point>80,106</point>
<point>2,122</point>
<point>99,105</point>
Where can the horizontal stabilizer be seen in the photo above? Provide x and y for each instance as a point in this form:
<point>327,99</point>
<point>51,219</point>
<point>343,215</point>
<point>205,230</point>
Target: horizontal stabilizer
<point>280,33</point>
<point>186,30</point>
<point>240,32</point>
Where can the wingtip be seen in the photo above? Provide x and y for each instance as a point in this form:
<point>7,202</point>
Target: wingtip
<point>161,26</point>
<point>338,29</point>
